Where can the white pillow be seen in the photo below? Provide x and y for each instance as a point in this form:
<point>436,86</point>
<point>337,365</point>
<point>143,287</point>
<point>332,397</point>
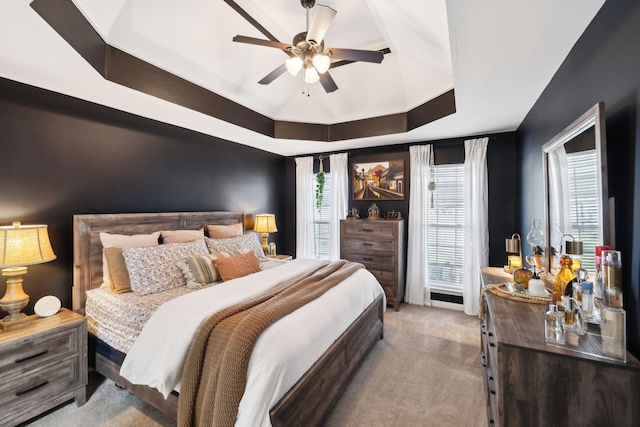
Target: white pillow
<point>124,241</point>
<point>155,268</point>
<point>236,244</point>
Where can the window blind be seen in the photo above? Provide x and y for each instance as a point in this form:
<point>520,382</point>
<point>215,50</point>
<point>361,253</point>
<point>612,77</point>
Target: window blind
<point>445,228</point>
<point>584,204</point>
<point>321,218</point>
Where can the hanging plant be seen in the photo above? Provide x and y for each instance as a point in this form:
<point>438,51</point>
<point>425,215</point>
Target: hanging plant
<point>319,185</point>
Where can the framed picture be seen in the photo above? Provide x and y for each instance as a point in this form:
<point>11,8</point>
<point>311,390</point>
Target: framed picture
<point>378,180</point>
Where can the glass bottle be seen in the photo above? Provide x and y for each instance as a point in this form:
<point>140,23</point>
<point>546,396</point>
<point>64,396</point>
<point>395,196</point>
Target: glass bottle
<point>564,276</point>
<point>374,211</point>
<point>612,278</point>
<point>553,331</point>
<point>587,299</point>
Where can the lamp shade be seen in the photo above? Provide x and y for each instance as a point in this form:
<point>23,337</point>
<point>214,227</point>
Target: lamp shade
<point>321,62</point>
<point>22,245</point>
<point>311,75</point>
<point>265,223</point>
<point>294,65</point>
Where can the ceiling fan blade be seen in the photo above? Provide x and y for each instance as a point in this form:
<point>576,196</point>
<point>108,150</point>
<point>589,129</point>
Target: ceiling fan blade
<point>261,42</point>
<point>328,83</point>
<point>356,55</point>
<point>273,75</point>
<point>320,23</point>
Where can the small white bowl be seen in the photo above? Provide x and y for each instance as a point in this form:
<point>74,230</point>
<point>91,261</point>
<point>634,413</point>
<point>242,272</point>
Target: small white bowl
<point>47,306</point>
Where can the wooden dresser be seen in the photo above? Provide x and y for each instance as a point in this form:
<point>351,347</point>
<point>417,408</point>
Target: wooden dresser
<point>379,245</point>
<point>42,365</point>
<point>531,383</point>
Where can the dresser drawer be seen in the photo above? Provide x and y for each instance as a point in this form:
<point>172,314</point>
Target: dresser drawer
<point>384,276</point>
<point>366,245</point>
<point>37,350</point>
<point>378,229</point>
<point>39,384</point>
<point>373,261</point>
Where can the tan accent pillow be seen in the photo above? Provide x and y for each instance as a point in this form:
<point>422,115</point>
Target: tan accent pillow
<point>225,231</point>
<point>237,266</point>
<point>109,240</point>
<point>119,280</point>
<point>181,236</point>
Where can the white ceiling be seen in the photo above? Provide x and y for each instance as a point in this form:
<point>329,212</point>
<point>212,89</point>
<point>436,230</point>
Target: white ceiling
<point>499,55</point>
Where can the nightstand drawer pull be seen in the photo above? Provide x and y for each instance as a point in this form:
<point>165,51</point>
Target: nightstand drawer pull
<point>367,244</point>
<point>368,230</point>
<point>42,384</point>
<point>24,359</point>
<point>367,259</point>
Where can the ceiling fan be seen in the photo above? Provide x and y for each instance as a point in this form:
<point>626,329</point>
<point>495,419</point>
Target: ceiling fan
<point>307,52</point>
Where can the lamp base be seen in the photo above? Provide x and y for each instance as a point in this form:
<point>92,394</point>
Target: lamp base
<point>265,243</point>
<point>14,299</point>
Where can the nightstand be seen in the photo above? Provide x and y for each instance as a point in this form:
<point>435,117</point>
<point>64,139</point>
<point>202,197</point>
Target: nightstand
<point>42,365</point>
<point>283,257</point>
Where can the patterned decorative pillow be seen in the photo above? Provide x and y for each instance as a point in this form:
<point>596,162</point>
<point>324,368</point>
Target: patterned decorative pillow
<point>245,242</point>
<point>225,231</point>
<point>237,266</point>
<point>124,241</point>
<point>199,270</point>
<point>154,269</point>
<point>181,236</point>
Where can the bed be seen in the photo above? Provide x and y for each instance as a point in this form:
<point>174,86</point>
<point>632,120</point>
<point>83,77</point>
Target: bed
<point>307,402</point>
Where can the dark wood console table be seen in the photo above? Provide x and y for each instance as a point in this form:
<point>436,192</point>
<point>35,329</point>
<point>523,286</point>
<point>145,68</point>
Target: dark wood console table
<point>531,383</point>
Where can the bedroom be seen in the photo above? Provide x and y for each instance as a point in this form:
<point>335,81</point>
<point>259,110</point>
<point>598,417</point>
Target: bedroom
<point>65,156</point>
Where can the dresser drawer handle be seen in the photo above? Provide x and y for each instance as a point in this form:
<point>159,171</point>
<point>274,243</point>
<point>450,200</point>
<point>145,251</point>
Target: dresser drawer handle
<point>367,244</point>
<point>368,230</point>
<point>492,344</point>
<point>42,384</point>
<point>492,392</point>
<point>367,259</point>
<point>24,359</point>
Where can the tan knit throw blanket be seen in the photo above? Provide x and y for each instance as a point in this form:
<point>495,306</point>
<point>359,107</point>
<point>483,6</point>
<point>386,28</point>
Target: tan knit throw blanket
<point>215,371</point>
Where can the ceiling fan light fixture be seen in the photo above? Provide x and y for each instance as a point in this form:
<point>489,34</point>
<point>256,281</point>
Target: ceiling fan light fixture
<point>311,75</point>
<point>321,62</point>
<point>294,65</point>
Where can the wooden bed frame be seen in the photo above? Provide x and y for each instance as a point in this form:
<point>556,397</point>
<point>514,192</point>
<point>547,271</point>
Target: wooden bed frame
<point>308,402</point>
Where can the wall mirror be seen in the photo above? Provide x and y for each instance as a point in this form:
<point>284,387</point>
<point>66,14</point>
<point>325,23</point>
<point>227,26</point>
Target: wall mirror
<point>576,197</point>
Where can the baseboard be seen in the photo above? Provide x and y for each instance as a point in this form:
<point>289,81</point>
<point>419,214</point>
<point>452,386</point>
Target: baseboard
<point>447,305</point>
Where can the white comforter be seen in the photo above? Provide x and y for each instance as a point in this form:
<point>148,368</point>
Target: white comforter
<point>282,354</point>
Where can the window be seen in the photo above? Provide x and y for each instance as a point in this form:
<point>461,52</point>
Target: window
<point>583,201</point>
<point>321,218</point>
<point>446,229</point>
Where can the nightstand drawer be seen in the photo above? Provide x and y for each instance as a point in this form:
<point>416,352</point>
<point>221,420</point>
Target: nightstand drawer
<point>37,350</point>
<point>37,386</point>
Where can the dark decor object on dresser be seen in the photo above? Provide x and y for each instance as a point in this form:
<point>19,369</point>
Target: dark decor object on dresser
<point>530,383</point>
<point>42,365</point>
<point>379,245</point>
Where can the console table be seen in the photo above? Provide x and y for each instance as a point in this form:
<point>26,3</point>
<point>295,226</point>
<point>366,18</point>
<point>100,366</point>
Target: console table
<point>530,383</point>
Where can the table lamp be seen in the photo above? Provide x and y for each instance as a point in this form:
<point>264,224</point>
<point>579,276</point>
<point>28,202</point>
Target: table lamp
<point>265,224</point>
<point>20,245</point>
<point>514,252</point>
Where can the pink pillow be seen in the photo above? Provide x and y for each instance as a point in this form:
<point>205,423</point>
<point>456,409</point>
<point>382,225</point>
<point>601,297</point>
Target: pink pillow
<point>124,241</point>
<point>225,231</point>
<point>182,236</point>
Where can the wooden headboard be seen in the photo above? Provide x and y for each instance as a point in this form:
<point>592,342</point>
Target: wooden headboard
<point>87,247</point>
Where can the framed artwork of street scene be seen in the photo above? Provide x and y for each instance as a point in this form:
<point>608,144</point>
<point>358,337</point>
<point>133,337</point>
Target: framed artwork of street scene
<point>382,180</point>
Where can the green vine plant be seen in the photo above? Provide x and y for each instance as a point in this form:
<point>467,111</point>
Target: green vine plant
<point>319,188</point>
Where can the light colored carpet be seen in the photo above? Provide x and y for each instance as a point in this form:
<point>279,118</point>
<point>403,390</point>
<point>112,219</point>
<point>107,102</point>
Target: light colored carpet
<point>426,372</point>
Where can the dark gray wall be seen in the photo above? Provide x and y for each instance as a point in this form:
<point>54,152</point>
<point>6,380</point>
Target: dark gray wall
<point>602,66</point>
<point>501,165</point>
<point>63,156</point>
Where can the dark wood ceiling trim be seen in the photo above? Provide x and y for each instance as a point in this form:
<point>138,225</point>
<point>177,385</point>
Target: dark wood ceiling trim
<point>129,71</point>
<point>437,108</point>
<point>64,17</point>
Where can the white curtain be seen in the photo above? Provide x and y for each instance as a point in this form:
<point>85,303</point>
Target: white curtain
<point>559,209</point>
<point>476,226</point>
<point>338,164</point>
<point>304,207</point>
<point>417,286</point>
